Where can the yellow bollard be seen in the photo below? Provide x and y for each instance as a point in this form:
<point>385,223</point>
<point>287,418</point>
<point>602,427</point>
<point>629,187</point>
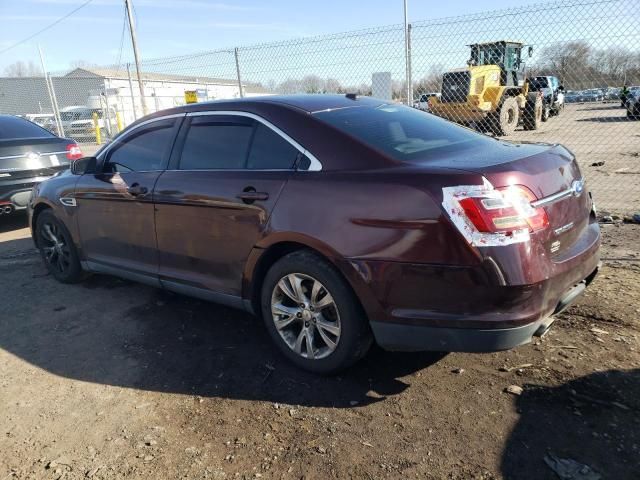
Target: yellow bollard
<point>119,121</point>
<point>96,125</point>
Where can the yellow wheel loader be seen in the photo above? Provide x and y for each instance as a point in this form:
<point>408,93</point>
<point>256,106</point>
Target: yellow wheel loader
<point>491,94</point>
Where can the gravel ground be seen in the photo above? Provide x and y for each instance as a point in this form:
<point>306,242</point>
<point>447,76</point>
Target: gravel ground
<point>109,379</point>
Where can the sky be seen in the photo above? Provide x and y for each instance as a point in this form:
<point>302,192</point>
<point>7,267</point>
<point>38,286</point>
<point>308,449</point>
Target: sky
<point>94,34</point>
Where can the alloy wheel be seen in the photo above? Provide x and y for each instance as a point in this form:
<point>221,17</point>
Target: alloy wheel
<point>54,247</point>
<point>306,316</point>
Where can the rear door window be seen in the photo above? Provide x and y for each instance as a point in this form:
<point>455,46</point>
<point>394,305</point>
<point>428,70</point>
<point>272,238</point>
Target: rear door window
<point>269,151</point>
<point>144,149</point>
<point>216,142</point>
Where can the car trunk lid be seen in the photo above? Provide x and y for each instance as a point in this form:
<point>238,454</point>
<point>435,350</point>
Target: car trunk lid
<point>550,172</point>
<point>23,158</point>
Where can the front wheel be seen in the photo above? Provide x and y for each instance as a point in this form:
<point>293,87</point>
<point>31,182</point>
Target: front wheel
<point>57,249</point>
<point>505,121</point>
<point>313,315</point>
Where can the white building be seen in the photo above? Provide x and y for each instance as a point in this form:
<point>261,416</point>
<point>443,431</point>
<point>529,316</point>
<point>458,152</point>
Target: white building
<point>161,91</point>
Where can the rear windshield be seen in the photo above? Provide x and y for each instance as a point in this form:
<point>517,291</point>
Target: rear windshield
<point>14,127</point>
<point>403,133</point>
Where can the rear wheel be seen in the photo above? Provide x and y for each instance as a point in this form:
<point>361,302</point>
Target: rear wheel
<point>533,115</point>
<point>57,249</point>
<point>312,315</point>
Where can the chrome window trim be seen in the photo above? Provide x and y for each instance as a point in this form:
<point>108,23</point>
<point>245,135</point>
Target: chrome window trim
<point>315,165</point>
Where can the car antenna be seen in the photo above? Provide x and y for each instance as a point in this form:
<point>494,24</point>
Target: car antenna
<point>351,96</point>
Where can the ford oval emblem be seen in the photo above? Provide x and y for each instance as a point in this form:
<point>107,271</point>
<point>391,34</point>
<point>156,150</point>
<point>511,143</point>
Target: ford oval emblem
<point>577,186</point>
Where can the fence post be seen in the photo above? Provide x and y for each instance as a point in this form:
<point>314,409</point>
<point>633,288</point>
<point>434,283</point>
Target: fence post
<point>52,96</point>
<point>410,75</point>
<point>55,105</point>
<point>235,52</point>
<point>407,55</point>
<point>133,103</point>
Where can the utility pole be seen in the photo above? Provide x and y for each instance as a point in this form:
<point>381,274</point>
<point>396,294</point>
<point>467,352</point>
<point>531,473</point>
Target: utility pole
<point>136,56</point>
<point>407,55</point>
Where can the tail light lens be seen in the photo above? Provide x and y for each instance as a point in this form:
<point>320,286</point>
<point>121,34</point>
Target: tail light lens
<point>73,152</point>
<point>494,216</point>
<point>505,212</point>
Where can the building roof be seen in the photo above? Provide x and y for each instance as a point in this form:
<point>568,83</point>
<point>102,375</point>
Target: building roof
<point>115,73</point>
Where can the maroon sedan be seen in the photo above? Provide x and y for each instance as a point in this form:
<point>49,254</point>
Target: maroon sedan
<point>339,220</point>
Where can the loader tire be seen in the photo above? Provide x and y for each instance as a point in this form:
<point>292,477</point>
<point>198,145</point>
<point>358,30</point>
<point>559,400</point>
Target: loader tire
<point>532,115</point>
<point>506,120</point>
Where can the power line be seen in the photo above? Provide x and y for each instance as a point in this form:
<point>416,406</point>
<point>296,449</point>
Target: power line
<point>47,27</point>
<point>124,27</point>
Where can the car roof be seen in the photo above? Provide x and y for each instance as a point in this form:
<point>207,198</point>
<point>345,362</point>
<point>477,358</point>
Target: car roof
<point>309,103</point>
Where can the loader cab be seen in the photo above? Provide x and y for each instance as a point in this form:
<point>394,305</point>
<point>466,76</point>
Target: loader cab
<point>506,55</point>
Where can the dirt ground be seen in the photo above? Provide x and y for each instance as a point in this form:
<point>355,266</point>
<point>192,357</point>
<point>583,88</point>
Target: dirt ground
<point>109,379</point>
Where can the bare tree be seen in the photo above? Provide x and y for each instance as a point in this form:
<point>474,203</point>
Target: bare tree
<point>312,84</point>
<point>290,85</point>
<point>82,64</point>
<point>431,82</point>
<point>22,69</point>
<point>331,85</point>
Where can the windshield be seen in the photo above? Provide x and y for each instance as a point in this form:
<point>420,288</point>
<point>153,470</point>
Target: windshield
<point>403,133</point>
<point>539,82</point>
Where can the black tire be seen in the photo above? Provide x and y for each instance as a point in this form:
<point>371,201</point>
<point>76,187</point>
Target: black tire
<point>355,336</point>
<point>532,115</point>
<point>60,257</point>
<point>546,111</point>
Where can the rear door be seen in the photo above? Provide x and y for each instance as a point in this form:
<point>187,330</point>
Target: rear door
<point>214,202</point>
<point>115,206</point>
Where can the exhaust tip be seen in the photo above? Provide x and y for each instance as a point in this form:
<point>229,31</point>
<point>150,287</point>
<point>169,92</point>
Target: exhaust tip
<point>544,327</point>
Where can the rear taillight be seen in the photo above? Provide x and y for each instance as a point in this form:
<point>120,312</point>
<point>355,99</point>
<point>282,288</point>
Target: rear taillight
<point>494,216</point>
<point>508,210</point>
<point>73,152</point>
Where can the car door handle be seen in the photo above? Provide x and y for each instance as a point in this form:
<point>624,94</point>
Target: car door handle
<point>251,196</point>
<point>137,189</point>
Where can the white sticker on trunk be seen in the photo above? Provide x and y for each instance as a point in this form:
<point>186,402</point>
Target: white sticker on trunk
<point>54,160</point>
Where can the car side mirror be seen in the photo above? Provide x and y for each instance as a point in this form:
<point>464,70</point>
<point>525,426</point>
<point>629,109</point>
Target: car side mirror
<point>84,165</point>
<point>561,88</point>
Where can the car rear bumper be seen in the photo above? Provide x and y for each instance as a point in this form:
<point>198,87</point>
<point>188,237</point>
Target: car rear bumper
<point>474,308</point>
<point>16,193</point>
<point>416,337</point>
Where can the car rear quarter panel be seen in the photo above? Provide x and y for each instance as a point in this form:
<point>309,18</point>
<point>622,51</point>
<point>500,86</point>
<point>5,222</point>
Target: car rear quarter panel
<point>361,219</point>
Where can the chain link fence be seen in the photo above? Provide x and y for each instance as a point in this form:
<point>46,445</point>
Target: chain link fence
<point>564,72</point>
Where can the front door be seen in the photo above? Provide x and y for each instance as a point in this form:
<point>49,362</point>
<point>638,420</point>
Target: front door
<point>115,205</point>
<point>214,203</point>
